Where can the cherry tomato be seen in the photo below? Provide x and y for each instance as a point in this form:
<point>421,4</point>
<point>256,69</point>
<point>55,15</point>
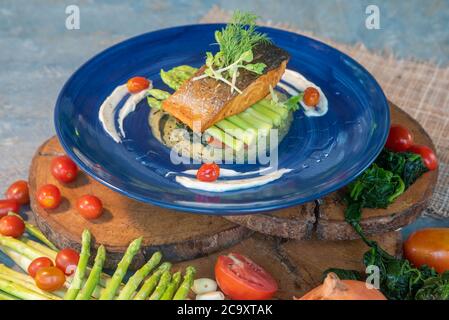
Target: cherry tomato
<point>311,97</point>
<point>242,279</point>
<point>67,260</point>
<point>399,139</point>
<point>429,247</point>
<point>208,172</point>
<point>137,84</point>
<point>49,196</point>
<point>38,264</point>
<point>49,278</point>
<point>19,191</point>
<point>89,207</point>
<point>64,169</point>
<point>427,154</point>
<point>12,226</point>
<point>8,206</point>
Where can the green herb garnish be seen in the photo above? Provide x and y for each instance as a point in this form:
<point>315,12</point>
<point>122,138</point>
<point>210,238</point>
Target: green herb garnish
<point>236,41</point>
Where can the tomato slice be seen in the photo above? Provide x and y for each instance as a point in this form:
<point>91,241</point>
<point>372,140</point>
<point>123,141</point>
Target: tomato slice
<point>137,84</point>
<point>208,172</point>
<point>242,279</point>
<point>311,97</point>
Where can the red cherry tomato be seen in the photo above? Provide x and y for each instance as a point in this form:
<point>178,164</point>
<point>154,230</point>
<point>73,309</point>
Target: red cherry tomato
<point>38,264</point>
<point>49,279</point>
<point>12,226</point>
<point>64,169</point>
<point>311,97</point>
<point>399,139</point>
<point>89,207</point>
<point>208,172</point>
<point>8,206</point>
<point>137,84</point>
<point>67,260</point>
<point>19,191</point>
<point>242,279</point>
<point>427,154</point>
<point>49,196</point>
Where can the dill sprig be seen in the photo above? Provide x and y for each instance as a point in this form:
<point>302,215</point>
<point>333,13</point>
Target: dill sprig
<point>236,42</point>
<point>238,37</point>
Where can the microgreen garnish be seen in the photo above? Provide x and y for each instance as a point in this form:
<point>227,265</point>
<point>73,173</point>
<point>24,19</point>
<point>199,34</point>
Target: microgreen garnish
<point>236,42</point>
<point>291,104</point>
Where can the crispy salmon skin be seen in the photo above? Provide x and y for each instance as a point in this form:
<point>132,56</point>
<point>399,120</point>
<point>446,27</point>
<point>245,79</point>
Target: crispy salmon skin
<point>202,103</point>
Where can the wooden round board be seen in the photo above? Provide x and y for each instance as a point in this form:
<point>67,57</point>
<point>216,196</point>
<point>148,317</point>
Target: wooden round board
<point>297,266</point>
<point>324,218</point>
<point>179,236</point>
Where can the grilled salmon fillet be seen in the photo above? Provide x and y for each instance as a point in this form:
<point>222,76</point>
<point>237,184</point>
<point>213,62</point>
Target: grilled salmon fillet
<point>202,103</point>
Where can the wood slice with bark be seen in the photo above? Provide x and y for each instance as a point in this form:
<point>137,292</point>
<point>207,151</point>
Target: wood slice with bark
<point>180,236</point>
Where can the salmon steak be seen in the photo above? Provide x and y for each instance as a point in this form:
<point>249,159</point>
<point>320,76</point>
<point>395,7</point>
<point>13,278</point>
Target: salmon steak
<point>201,103</point>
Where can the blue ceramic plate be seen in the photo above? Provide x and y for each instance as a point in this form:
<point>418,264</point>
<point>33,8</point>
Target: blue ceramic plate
<point>326,153</point>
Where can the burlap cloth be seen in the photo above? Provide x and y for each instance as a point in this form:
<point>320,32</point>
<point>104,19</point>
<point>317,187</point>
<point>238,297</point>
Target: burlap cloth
<point>419,88</point>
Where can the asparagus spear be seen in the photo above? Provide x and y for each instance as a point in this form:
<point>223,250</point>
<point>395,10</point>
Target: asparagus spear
<point>151,283</point>
<point>20,247</point>
<point>22,261</point>
<point>172,287</point>
<point>137,278</point>
<point>45,251</point>
<point>6,296</point>
<point>161,286</point>
<point>94,276</point>
<point>34,231</point>
<point>20,291</point>
<point>183,291</point>
<point>29,286</point>
<point>15,276</point>
<point>112,286</point>
<point>80,272</point>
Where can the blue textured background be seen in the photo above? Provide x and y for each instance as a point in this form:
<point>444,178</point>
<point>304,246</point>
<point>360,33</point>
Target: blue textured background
<point>37,52</point>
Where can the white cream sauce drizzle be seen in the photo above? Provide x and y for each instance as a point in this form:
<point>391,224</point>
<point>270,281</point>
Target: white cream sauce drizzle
<point>109,106</point>
<point>230,185</point>
<point>223,172</point>
<point>130,106</point>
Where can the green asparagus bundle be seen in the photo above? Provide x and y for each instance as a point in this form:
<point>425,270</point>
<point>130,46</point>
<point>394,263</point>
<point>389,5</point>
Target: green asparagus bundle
<point>186,284</point>
<point>151,283</point>
<point>80,272</point>
<point>135,280</point>
<point>112,286</point>
<point>172,287</point>
<point>94,276</point>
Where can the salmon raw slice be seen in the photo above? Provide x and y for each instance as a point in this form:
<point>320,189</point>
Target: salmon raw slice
<point>201,103</point>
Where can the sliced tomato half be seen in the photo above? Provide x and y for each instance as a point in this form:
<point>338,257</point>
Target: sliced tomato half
<point>242,279</point>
